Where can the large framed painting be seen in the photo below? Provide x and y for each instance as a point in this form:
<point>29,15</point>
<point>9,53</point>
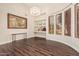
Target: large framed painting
<point>59,23</point>
<point>51,24</point>
<point>77,20</point>
<point>67,22</point>
<point>16,22</point>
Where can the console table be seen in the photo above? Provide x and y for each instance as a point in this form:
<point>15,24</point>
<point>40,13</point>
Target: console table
<point>14,35</point>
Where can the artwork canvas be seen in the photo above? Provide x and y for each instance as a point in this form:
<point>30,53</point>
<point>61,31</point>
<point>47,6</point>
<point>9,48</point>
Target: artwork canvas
<point>51,24</point>
<point>77,20</point>
<point>16,22</point>
<point>67,21</point>
<point>59,23</point>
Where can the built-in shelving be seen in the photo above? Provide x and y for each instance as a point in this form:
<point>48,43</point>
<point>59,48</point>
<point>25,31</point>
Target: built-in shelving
<point>40,27</point>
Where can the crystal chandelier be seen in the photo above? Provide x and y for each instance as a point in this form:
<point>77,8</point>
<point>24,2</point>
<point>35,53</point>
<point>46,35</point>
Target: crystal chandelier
<point>35,11</point>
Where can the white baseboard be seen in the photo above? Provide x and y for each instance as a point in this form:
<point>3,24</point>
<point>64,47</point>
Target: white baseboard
<point>2,43</point>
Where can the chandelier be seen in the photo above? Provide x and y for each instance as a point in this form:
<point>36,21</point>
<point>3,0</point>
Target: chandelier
<point>35,11</point>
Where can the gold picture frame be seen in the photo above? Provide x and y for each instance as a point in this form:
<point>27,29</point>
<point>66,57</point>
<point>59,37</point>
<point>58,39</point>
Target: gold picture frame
<point>16,22</point>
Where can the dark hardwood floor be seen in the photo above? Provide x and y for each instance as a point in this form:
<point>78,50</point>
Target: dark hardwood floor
<point>36,47</point>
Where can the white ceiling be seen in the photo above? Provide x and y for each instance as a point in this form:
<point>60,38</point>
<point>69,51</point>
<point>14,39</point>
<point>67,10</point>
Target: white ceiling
<point>46,4</point>
<point>51,6</point>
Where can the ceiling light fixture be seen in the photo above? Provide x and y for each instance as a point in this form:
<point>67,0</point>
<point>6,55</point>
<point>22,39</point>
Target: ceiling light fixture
<point>35,11</point>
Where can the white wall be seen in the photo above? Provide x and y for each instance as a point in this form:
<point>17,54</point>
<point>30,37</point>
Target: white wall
<point>16,9</point>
